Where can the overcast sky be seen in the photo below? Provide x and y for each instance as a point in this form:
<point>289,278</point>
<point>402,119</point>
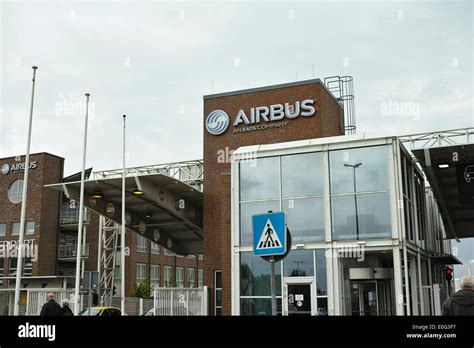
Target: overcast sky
<point>155,60</point>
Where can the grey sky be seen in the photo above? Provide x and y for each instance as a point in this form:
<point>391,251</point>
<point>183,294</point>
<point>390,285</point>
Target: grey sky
<point>155,60</point>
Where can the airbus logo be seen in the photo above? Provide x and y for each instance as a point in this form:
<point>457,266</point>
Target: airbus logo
<point>5,169</point>
<point>261,117</point>
<point>217,122</point>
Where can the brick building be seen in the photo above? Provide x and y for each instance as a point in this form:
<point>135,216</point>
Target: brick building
<point>327,120</point>
<point>51,230</point>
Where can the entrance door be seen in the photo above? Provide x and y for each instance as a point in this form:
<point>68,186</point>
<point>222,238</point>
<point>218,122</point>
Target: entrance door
<point>369,298</point>
<point>299,296</point>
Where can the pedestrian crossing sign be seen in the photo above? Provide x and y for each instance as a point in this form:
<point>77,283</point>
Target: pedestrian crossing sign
<point>269,234</point>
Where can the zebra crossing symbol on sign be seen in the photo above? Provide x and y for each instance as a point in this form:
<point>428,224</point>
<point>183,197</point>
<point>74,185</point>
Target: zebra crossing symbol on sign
<point>269,238</point>
<point>269,234</point>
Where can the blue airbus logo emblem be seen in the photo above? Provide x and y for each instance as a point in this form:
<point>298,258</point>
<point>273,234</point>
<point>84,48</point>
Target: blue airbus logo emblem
<point>217,122</point>
<point>5,169</point>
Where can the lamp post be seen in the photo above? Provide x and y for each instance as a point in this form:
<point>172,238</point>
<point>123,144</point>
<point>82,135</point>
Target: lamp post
<point>19,261</point>
<point>354,167</point>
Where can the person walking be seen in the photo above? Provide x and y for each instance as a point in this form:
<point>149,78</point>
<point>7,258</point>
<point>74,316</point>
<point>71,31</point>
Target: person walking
<point>461,302</point>
<point>66,311</point>
<point>51,307</point>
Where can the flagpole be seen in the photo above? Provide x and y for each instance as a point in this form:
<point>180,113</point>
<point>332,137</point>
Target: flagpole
<point>122,235</point>
<point>19,262</point>
<point>81,216</point>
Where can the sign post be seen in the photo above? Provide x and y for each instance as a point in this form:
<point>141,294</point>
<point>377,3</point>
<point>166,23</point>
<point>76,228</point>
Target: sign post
<point>271,241</point>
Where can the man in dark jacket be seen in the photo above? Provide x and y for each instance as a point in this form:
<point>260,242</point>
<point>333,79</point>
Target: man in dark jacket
<point>461,302</point>
<point>51,307</point>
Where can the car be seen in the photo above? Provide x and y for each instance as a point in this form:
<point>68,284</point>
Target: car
<point>469,174</point>
<point>101,311</point>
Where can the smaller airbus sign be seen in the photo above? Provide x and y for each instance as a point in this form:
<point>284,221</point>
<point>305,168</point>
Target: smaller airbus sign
<point>16,167</point>
<point>5,169</point>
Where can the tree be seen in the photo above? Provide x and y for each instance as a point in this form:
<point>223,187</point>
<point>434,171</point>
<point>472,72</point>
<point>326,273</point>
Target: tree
<point>142,290</point>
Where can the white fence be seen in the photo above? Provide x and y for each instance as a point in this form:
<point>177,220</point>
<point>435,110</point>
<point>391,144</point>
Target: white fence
<point>36,298</point>
<point>134,305</point>
<point>181,301</point>
<point>166,301</point>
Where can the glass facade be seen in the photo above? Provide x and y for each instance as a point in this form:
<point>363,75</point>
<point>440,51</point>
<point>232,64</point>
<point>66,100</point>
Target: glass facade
<point>358,208</point>
<point>360,202</point>
<point>336,198</point>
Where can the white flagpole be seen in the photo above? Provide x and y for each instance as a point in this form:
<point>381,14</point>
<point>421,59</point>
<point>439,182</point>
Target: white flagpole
<point>122,235</point>
<point>81,216</point>
<point>19,261</point>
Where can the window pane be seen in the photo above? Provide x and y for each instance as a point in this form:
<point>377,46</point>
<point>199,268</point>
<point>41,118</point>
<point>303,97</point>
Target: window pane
<point>321,279</point>
<point>200,278</point>
<point>255,276</point>
<point>3,229</point>
<point>322,306</point>
<point>218,280</point>
<point>259,179</point>
<point>343,217</point>
<point>15,229</point>
<point>258,306</point>
<point>246,212</point>
<point>302,175</point>
<point>15,191</point>
<point>305,219</point>
<point>30,227</point>
<point>373,216</point>
<point>365,168</point>
<point>298,263</point>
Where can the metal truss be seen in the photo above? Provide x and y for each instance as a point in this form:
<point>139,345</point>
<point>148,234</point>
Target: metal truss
<point>189,172</point>
<point>108,238</point>
<point>435,139</point>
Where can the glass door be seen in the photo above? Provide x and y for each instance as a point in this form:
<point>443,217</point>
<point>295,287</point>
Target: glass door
<point>299,296</point>
<point>364,299</point>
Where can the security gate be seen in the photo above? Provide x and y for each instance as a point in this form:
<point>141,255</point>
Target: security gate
<point>181,301</point>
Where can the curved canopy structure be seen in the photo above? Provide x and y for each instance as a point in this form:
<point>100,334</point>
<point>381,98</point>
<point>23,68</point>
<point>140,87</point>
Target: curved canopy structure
<point>159,207</point>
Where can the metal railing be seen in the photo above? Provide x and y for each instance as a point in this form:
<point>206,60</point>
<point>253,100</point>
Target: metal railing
<point>68,251</point>
<point>440,138</point>
<point>189,172</point>
<point>134,305</point>
<point>180,301</point>
<point>36,298</point>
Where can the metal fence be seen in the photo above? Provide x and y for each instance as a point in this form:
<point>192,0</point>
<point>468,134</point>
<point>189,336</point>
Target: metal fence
<point>36,298</point>
<point>181,301</point>
<point>134,305</point>
<point>165,302</point>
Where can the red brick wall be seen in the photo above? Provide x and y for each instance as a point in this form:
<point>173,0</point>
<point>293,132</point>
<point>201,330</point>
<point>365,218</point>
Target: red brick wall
<point>327,121</point>
<point>42,206</point>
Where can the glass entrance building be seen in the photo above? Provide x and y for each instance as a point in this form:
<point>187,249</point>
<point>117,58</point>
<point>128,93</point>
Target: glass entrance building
<point>367,236</point>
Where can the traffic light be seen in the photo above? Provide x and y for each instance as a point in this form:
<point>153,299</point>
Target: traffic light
<point>449,274</point>
<point>114,290</point>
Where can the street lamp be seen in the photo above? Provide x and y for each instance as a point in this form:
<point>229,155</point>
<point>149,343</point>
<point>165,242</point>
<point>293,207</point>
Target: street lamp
<point>354,167</point>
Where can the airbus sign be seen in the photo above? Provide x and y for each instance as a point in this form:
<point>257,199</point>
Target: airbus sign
<point>16,167</point>
<point>261,117</point>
